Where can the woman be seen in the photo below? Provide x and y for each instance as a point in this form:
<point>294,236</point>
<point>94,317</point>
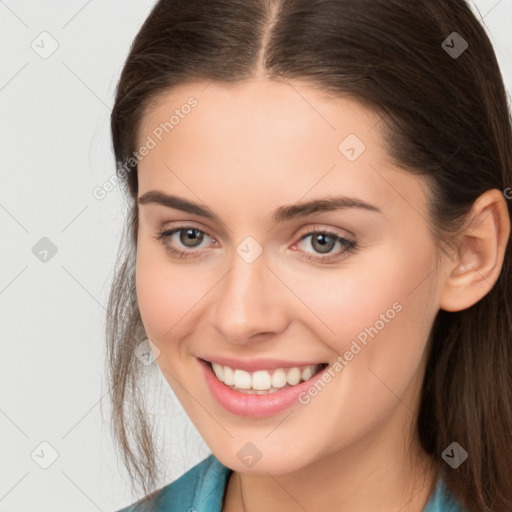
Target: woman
<point>317,250</point>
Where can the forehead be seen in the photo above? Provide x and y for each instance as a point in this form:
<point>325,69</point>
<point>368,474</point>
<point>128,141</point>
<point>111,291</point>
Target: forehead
<point>259,110</point>
<point>262,138</point>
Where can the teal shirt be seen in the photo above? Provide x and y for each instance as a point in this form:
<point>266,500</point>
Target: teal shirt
<point>202,487</point>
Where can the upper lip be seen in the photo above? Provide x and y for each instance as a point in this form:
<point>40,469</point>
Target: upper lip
<point>253,365</point>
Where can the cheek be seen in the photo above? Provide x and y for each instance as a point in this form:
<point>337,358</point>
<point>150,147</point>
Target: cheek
<point>165,293</point>
<point>379,313</point>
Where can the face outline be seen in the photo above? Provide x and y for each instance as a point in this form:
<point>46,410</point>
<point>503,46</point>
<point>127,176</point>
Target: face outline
<point>283,305</point>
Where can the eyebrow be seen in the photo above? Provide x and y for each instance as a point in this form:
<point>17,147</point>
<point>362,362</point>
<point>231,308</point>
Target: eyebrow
<point>281,214</point>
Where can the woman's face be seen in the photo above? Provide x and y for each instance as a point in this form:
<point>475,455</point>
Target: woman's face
<point>252,285</point>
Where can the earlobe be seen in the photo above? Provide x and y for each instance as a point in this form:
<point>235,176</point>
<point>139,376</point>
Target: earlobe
<point>480,253</point>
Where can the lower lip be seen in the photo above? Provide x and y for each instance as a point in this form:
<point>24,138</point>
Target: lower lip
<point>254,406</point>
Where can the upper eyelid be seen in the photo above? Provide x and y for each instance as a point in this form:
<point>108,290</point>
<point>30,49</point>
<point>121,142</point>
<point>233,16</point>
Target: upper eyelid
<point>299,232</point>
<point>183,227</point>
<point>316,229</point>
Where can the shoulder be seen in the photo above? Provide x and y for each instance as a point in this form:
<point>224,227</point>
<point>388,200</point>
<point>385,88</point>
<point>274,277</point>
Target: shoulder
<point>201,488</point>
<point>441,500</point>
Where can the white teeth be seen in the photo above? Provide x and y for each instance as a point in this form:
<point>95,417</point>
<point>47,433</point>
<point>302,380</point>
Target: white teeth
<point>218,370</point>
<point>279,378</point>
<point>307,373</point>
<point>260,380</point>
<point>293,376</point>
<point>228,376</point>
<point>242,379</point>
<point>263,381</point>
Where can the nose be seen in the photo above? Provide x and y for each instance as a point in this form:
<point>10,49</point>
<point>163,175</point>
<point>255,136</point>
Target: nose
<point>251,302</point>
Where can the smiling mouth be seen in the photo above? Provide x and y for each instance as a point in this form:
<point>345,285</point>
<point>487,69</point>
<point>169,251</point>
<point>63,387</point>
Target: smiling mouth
<point>264,381</point>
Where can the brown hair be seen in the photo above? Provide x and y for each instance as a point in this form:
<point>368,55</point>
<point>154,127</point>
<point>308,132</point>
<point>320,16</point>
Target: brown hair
<point>444,117</point>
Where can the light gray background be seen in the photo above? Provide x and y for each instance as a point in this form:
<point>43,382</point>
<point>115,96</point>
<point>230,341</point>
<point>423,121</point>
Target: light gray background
<point>55,148</point>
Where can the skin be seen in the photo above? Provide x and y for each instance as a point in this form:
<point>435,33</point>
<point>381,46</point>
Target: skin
<point>245,150</point>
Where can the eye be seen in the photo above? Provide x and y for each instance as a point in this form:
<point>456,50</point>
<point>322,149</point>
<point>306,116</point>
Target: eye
<point>324,241</point>
<point>188,236</point>
<point>191,238</point>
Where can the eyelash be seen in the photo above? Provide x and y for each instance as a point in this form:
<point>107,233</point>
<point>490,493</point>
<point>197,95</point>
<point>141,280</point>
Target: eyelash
<point>349,246</point>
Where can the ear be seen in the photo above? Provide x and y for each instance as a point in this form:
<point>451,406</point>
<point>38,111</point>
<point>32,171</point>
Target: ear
<point>480,252</point>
